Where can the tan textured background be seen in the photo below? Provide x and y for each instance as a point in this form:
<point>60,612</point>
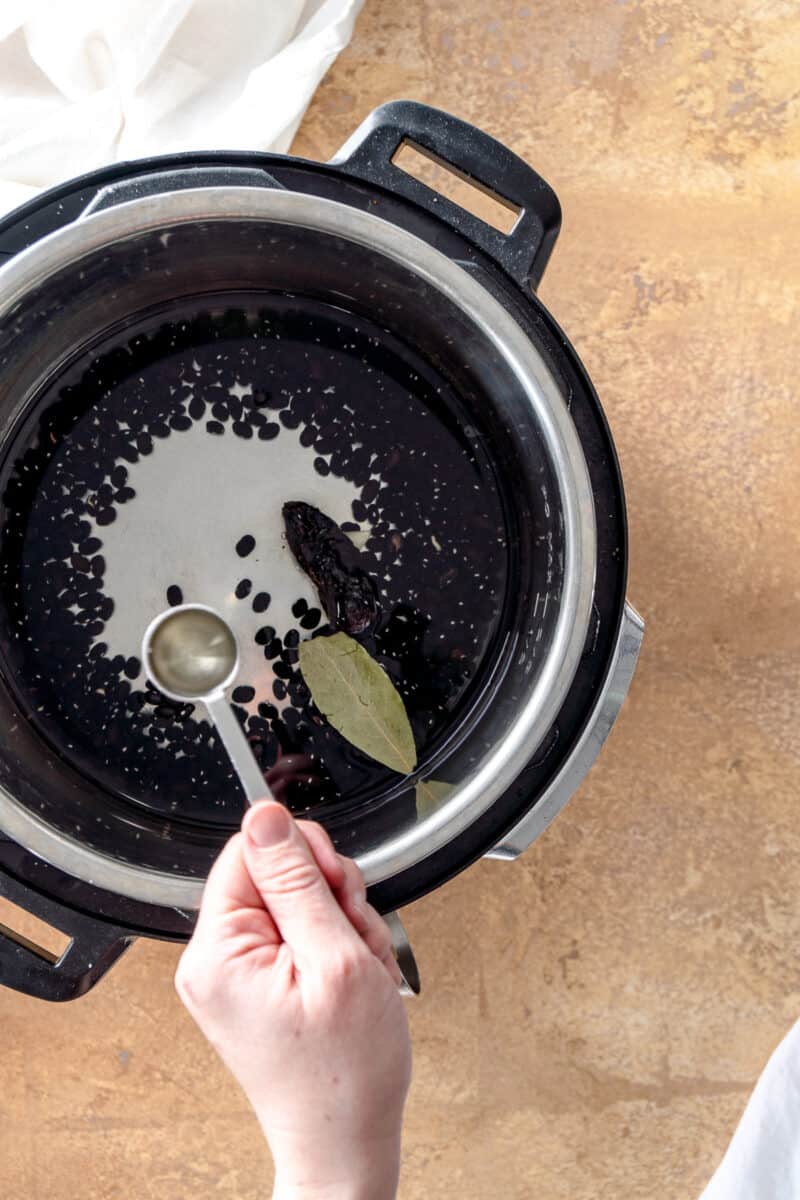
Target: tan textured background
<point>594,1016</point>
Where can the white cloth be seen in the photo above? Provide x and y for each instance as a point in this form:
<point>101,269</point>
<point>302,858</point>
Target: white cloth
<point>88,82</point>
<point>763,1160</point>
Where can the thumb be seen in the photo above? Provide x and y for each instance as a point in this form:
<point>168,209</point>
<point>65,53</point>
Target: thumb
<point>292,887</point>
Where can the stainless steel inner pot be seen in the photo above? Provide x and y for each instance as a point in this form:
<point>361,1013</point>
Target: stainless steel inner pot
<point>59,294</point>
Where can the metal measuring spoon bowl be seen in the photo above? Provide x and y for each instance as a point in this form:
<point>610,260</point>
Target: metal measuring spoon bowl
<point>191,654</point>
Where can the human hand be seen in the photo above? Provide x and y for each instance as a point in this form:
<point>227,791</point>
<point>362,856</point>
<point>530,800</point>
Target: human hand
<point>292,978</point>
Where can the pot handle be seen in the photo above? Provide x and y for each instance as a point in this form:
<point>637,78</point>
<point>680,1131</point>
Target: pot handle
<point>484,162</point>
<point>591,741</point>
<point>93,949</point>
<point>404,955</point>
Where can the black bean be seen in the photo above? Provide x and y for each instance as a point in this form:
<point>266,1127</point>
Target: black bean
<point>144,443</point>
<point>242,429</point>
<point>298,691</point>
<point>243,588</point>
<point>118,663</point>
<point>59,547</point>
<point>268,432</point>
<point>311,619</point>
<point>89,546</point>
<point>279,689</point>
<point>321,467</point>
<point>174,595</point>
<point>80,562</point>
<point>292,638</point>
<point>106,516</point>
<point>261,602</point>
<point>308,436</point>
<point>124,494</point>
<point>289,419</point>
<point>166,712</point>
<point>268,711</point>
<point>197,408</point>
<point>220,411</point>
<point>214,427</point>
<point>265,634</point>
<point>180,423</point>
<point>359,510</point>
<point>159,429</point>
<point>245,545</point>
<point>243,694</point>
<point>370,491</point>
<point>119,476</point>
<point>273,648</point>
<point>132,667</point>
<point>282,670</point>
<point>291,718</point>
<point>300,607</point>
<point>106,609</point>
<point>263,399</point>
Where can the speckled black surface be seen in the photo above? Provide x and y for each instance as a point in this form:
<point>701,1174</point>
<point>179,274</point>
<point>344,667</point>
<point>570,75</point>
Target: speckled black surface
<point>373,414</point>
<point>452,236</point>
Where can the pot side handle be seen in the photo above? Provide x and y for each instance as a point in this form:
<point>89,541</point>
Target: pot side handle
<point>93,949</point>
<point>590,743</point>
<point>479,159</point>
<point>404,955</point>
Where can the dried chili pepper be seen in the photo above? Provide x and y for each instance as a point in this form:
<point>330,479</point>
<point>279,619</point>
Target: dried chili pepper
<point>333,564</point>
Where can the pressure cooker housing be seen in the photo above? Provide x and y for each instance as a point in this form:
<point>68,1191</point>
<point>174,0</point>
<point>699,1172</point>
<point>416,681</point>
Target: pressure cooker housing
<point>600,640</point>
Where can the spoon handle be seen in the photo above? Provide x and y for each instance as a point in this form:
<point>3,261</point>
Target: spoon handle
<point>254,785</point>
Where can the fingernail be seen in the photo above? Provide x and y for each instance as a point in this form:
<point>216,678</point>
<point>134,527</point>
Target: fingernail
<point>268,825</point>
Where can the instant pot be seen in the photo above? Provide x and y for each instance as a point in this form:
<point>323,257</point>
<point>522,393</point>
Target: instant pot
<point>437,304</point>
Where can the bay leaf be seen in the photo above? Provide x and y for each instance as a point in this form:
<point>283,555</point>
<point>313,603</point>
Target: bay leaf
<point>429,794</point>
<point>354,693</point>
